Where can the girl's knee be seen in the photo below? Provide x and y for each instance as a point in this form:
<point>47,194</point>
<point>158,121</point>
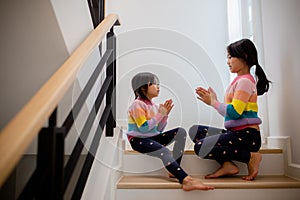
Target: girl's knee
<point>202,153</point>
<point>181,133</point>
<point>193,132</point>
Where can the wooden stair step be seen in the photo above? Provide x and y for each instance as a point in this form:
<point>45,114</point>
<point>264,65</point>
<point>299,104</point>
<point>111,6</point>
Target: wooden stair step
<point>189,151</point>
<point>235,182</point>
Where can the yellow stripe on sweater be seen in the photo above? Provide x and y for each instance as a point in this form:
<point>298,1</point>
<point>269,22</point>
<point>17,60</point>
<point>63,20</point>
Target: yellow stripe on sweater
<point>140,120</point>
<point>241,106</point>
<point>238,105</point>
<point>252,107</point>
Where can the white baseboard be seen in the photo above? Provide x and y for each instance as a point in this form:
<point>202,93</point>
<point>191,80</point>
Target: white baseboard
<point>284,142</point>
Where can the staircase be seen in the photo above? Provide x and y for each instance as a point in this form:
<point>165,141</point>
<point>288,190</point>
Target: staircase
<point>145,178</point>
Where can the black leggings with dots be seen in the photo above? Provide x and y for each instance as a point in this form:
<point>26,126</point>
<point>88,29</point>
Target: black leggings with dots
<point>224,145</point>
<point>156,146</point>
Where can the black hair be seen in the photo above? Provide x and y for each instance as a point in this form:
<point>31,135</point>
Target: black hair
<point>140,83</point>
<point>245,49</point>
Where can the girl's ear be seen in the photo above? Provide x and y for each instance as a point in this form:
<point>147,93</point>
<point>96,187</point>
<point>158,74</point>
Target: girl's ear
<point>144,89</point>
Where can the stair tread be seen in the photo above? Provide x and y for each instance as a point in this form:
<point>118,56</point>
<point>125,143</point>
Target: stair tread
<point>189,151</point>
<point>235,182</point>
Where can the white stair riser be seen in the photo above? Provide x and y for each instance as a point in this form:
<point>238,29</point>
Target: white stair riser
<point>224,194</point>
<point>272,164</point>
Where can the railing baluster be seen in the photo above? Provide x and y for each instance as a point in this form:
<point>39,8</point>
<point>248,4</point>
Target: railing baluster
<point>45,164</point>
<point>50,161</point>
<point>111,93</point>
<point>59,163</point>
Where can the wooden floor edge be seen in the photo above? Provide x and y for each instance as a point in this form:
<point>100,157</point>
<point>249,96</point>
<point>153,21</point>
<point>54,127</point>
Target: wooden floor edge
<point>190,152</point>
<point>236,182</point>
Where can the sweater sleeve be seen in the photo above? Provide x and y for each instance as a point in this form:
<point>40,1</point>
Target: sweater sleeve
<point>138,114</point>
<point>220,107</point>
<point>243,89</point>
<point>162,124</point>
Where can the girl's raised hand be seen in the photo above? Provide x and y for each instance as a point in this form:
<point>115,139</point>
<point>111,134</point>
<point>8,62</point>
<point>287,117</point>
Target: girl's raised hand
<point>164,109</point>
<point>213,96</point>
<point>207,96</point>
<point>169,105</point>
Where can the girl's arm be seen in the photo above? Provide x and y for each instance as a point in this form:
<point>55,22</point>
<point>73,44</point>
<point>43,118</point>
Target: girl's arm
<point>166,109</point>
<point>162,124</point>
<point>242,93</point>
<point>220,107</point>
<point>138,114</point>
<point>209,97</point>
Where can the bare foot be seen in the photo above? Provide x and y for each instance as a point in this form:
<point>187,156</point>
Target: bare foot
<point>253,166</point>
<point>190,183</point>
<point>227,169</point>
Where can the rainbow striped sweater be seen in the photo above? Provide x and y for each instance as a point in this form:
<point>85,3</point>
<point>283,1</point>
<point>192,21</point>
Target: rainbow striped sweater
<point>144,120</point>
<point>240,107</point>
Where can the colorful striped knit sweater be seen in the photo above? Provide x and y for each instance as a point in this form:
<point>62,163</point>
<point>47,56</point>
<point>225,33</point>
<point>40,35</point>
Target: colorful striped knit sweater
<point>240,107</point>
<point>144,120</point>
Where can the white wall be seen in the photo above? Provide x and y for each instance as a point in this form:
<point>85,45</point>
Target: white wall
<point>184,43</point>
<point>281,30</point>
<point>32,49</point>
<point>74,19</point>
<point>75,23</point>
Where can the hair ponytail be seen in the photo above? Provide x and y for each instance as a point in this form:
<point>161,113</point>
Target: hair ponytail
<point>262,84</point>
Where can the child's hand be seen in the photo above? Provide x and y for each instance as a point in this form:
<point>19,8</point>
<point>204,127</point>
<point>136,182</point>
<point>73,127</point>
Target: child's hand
<point>213,96</point>
<point>164,109</point>
<point>169,105</point>
<point>207,96</point>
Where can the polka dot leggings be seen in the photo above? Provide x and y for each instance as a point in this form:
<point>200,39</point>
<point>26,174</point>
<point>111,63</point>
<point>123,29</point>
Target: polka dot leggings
<point>224,145</point>
<point>156,146</point>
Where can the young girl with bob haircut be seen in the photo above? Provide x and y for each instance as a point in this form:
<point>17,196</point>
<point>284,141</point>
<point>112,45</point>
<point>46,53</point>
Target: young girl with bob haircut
<point>146,123</point>
<point>240,140</point>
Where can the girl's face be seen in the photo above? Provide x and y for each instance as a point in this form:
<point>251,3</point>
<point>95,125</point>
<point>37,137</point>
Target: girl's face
<point>237,65</point>
<point>153,90</point>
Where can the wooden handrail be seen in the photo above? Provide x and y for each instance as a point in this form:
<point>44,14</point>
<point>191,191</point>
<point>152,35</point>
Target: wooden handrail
<point>19,133</point>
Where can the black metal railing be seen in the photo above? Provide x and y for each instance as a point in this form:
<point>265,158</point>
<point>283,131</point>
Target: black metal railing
<point>52,174</point>
<point>96,10</point>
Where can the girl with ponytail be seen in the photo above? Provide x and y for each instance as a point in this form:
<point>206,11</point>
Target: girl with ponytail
<point>245,50</point>
<point>240,140</point>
